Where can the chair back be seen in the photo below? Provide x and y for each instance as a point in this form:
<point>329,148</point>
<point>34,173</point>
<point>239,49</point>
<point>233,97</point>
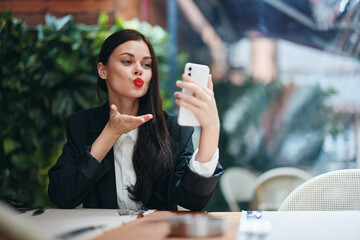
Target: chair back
<point>237,185</point>
<point>332,191</point>
<point>274,185</point>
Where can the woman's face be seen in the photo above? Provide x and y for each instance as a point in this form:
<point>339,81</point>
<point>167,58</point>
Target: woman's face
<point>128,71</point>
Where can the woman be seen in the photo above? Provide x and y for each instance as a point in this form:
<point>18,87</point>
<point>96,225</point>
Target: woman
<point>129,153</point>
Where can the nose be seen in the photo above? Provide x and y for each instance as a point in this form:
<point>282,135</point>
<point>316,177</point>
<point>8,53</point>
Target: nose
<point>137,70</point>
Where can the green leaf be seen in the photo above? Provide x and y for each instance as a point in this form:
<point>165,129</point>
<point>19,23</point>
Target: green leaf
<point>103,20</point>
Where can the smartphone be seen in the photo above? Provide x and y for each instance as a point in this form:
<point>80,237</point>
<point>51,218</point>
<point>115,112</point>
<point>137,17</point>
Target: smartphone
<point>199,73</point>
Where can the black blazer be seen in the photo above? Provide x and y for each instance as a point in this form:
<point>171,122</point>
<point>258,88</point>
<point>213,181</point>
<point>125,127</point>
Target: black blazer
<point>78,178</point>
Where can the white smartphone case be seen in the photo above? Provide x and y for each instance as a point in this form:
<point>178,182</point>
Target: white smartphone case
<point>199,73</point>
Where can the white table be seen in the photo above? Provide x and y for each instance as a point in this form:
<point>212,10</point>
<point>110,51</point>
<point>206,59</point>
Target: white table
<point>308,225</point>
<point>295,225</point>
<point>54,222</point>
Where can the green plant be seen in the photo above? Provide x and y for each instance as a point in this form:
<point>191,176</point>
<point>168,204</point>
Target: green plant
<point>47,74</point>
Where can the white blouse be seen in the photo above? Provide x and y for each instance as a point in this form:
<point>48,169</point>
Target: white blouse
<point>125,173</point>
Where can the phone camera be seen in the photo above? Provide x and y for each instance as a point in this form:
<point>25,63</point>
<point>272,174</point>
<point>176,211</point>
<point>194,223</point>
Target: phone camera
<point>190,68</point>
<point>189,74</point>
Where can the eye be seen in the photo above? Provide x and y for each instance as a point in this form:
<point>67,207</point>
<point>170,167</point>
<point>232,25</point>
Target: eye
<point>147,65</point>
<point>126,62</point>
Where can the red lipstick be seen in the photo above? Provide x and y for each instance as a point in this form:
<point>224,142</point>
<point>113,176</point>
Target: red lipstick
<point>138,82</point>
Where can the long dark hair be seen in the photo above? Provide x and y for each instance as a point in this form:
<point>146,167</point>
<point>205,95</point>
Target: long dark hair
<point>152,159</point>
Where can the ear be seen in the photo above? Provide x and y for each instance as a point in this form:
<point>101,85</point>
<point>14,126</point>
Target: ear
<point>102,70</point>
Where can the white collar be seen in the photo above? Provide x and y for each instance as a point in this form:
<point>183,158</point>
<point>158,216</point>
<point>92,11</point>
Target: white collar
<point>133,134</point>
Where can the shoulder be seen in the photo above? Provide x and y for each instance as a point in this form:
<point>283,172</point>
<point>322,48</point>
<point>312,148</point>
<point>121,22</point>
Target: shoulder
<point>84,115</point>
<point>80,123</point>
<point>175,130</point>
<point>171,119</point>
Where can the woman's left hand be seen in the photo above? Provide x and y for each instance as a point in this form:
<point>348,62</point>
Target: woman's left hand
<point>202,103</point>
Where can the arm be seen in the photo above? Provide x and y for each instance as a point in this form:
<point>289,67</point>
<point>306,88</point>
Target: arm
<point>190,189</point>
<point>203,104</point>
<point>76,172</point>
<point>80,167</point>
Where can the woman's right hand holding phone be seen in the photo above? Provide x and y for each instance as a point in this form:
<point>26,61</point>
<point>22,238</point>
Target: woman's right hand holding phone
<point>202,103</point>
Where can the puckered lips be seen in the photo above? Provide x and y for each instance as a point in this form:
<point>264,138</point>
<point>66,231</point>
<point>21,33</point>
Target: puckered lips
<point>138,82</point>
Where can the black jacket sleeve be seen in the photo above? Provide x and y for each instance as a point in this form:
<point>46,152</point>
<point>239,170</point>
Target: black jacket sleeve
<point>76,172</point>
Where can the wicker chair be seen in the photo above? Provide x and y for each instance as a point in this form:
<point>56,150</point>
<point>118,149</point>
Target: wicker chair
<point>274,185</point>
<point>237,185</point>
<point>332,191</point>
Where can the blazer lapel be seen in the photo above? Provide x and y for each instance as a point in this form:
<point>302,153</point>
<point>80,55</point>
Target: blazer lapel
<point>107,184</point>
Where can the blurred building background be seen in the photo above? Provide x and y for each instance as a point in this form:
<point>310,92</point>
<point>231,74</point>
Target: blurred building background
<point>87,11</point>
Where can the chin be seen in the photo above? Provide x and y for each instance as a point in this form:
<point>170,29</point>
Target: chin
<point>139,94</point>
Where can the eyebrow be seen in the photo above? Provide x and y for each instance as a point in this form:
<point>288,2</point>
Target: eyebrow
<point>132,55</point>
